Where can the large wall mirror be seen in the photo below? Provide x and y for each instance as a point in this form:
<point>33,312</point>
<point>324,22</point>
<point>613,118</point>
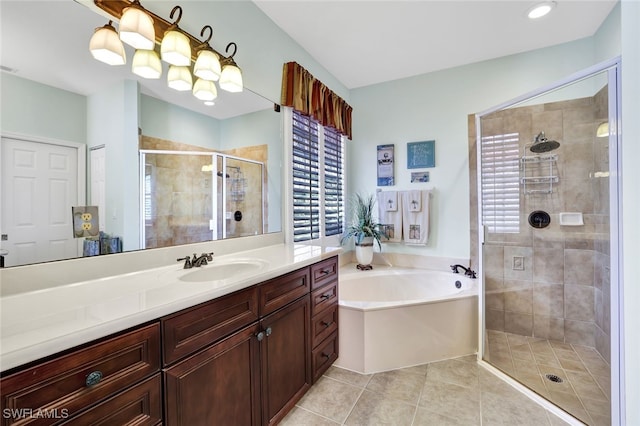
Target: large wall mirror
<point>163,168</point>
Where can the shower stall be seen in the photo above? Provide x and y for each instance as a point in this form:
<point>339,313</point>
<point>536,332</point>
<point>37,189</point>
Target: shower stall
<point>546,239</point>
<point>189,197</point>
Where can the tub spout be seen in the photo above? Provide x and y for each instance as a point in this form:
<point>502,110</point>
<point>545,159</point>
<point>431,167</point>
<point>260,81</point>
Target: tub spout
<point>467,271</point>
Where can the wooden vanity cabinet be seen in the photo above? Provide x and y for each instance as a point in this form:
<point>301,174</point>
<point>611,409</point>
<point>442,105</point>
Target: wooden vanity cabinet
<point>324,316</point>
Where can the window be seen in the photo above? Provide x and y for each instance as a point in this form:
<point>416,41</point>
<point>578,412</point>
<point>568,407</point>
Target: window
<point>318,187</point>
<point>501,183</point>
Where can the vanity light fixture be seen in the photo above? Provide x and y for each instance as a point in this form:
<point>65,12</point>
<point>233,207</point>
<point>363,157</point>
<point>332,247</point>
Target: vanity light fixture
<point>179,78</point>
<point>231,76</point>
<point>106,46</point>
<point>205,90</point>
<point>175,48</point>
<point>146,64</point>
<point>136,27</point>
<point>541,9</point>
<point>603,130</point>
<point>207,64</point>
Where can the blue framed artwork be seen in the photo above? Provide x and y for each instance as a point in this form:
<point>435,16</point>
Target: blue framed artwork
<point>385,165</point>
<point>421,154</point>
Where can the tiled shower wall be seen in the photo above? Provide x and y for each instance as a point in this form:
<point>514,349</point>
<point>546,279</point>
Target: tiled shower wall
<point>562,292</point>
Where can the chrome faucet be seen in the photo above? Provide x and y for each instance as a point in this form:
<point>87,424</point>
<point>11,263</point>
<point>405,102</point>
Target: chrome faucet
<point>201,260</point>
<point>467,271</point>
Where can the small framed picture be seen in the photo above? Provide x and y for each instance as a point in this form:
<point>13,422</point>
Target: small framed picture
<point>421,154</point>
<point>418,177</point>
<point>385,165</point>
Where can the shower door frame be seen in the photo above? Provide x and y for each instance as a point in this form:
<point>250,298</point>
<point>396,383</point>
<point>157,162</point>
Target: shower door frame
<point>612,67</point>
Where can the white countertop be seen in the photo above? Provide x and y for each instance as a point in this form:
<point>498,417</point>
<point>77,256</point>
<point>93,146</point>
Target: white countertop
<point>39,323</point>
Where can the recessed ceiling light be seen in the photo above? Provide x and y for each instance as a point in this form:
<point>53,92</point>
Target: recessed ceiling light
<point>540,9</point>
<point>209,103</point>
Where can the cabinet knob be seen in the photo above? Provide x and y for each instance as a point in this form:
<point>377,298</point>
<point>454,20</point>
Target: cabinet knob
<point>260,336</point>
<point>268,331</point>
<point>93,378</point>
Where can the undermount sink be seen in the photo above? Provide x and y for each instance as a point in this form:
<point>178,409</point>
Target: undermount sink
<point>223,271</point>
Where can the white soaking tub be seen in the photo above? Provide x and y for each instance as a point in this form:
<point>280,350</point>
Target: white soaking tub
<point>399,317</point>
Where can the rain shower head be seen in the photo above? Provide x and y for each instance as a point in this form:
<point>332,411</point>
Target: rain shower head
<point>542,144</point>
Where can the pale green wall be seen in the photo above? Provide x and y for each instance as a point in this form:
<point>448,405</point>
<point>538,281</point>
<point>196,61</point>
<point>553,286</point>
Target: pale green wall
<point>35,109</point>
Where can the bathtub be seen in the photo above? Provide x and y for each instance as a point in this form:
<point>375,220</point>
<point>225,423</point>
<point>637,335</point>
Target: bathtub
<point>399,317</point>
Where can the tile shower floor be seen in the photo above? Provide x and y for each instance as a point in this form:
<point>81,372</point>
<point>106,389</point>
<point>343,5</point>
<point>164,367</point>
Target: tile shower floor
<point>585,387</point>
<point>451,392</point>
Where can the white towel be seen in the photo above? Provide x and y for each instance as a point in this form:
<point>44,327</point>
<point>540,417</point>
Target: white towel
<point>415,224</point>
<point>389,201</point>
<point>415,201</point>
<point>390,220</point>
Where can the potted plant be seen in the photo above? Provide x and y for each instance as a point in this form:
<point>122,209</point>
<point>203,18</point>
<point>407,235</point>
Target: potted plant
<point>364,230</point>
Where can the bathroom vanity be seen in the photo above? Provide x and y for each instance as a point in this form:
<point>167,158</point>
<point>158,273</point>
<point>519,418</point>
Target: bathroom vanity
<point>245,354</point>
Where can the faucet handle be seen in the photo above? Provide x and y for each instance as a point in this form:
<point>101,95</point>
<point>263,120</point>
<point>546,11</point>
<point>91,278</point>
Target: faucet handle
<point>208,256</point>
<point>454,268</point>
<point>187,262</point>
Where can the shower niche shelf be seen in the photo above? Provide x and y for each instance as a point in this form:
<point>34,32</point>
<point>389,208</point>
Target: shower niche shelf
<point>539,173</point>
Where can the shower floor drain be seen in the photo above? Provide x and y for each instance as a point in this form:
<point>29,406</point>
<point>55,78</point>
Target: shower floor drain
<point>553,378</point>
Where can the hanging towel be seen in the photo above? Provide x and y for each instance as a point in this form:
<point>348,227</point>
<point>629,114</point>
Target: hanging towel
<point>390,218</point>
<point>415,224</point>
<point>415,201</point>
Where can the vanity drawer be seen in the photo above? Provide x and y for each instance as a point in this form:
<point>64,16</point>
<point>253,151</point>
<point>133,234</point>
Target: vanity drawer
<point>141,405</point>
<point>324,355</point>
<point>276,293</point>
<point>324,297</point>
<point>59,387</point>
<point>324,272</point>
<point>323,324</point>
<point>186,332</point>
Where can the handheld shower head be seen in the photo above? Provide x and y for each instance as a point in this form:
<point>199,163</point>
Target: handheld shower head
<point>542,144</point>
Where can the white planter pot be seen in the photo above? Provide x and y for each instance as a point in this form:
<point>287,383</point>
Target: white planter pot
<point>364,251</point>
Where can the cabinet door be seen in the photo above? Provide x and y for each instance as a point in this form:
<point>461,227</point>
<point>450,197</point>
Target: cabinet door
<point>286,359</point>
<point>218,386</point>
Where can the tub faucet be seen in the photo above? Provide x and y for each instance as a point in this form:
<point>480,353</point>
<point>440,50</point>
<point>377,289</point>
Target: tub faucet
<point>467,271</point>
<point>201,260</point>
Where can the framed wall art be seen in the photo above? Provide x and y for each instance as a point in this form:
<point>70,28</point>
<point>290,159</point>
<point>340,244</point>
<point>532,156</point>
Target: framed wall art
<point>421,154</point>
<point>385,165</point>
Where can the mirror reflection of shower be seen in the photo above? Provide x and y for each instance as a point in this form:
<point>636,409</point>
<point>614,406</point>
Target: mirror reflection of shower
<point>190,197</point>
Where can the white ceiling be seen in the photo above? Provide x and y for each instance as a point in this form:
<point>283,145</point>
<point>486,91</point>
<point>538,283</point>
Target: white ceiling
<point>368,42</point>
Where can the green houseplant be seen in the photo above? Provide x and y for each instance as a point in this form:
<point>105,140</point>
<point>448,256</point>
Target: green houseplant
<point>363,229</point>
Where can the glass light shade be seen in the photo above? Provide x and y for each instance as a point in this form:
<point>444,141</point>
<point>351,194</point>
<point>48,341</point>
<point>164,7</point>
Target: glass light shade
<point>205,90</point>
<point>179,78</point>
<point>176,48</point>
<point>136,29</point>
<point>231,78</point>
<point>603,130</point>
<point>207,65</point>
<point>541,9</point>
<point>146,63</point>
<point>105,46</point>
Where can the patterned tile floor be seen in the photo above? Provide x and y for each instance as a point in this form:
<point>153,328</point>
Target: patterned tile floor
<point>451,392</point>
<point>585,388</point>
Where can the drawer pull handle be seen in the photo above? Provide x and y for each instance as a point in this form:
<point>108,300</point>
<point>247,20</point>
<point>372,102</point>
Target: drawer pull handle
<point>325,271</point>
<point>325,355</point>
<point>325,296</point>
<point>268,331</point>
<point>327,323</point>
<point>260,336</point>
<point>93,378</point>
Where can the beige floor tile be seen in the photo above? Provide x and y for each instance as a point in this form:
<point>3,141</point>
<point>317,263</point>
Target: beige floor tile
<point>597,407</point>
<point>565,400</point>
<point>515,339</point>
<point>605,384</point>
<point>516,409</point>
<point>331,398</point>
<point>451,400</point>
<point>420,370</point>
<point>533,382</point>
<point>424,417</point>
<point>560,345</point>
<point>555,420</point>
<point>600,421</point>
<point>569,364</point>
<point>454,371</point>
<point>585,386</point>
<point>348,376</point>
<point>546,359</point>
<point>597,367</point>
<point>375,409</point>
<point>299,416</point>
<point>541,347</point>
<point>564,386</point>
<point>398,384</point>
<point>568,355</point>
<point>525,367</point>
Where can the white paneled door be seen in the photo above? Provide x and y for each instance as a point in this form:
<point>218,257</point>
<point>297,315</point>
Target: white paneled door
<point>39,187</point>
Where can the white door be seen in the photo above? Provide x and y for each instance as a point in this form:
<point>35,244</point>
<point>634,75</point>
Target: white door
<point>39,187</point>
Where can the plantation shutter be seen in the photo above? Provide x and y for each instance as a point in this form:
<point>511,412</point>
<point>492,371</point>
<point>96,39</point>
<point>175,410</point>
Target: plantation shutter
<point>501,183</point>
<point>333,166</point>
<point>306,192</point>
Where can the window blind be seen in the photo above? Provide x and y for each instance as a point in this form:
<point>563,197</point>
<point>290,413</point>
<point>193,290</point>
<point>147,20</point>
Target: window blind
<point>306,192</point>
<point>333,167</point>
<point>501,183</point>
